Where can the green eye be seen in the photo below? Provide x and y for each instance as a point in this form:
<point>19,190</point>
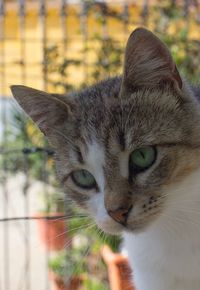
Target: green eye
<point>83,178</point>
<point>141,159</point>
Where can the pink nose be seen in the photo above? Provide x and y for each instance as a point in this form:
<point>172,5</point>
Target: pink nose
<point>120,215</point>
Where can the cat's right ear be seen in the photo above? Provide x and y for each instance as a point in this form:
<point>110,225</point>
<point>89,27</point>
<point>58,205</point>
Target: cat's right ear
<point>47,111</point>
<point>148,63</point>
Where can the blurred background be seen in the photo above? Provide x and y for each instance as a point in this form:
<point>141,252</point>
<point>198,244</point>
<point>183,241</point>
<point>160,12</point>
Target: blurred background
<point>59,46</point>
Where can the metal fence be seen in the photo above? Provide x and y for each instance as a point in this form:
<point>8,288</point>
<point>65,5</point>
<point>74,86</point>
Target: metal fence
<point>35,38</point>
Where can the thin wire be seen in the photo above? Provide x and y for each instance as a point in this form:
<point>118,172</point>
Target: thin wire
<point>27,150</point>
<point>53,218</point>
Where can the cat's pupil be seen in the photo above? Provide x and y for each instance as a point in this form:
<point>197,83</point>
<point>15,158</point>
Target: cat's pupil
<point>142,158</point>
<point>142,154</point>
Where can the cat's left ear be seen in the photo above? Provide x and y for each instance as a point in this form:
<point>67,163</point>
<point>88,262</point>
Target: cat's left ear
<point>148,63</point>
<point>49,112</point>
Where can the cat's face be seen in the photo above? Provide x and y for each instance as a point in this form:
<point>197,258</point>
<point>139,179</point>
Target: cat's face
<point>121,144</point>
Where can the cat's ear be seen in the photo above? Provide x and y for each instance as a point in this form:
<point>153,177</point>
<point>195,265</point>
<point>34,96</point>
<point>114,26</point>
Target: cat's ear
<point>148,62</point>
<point>47,111</point>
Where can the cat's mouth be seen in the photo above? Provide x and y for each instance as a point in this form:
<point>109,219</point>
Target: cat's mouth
<point>137,218</point>
<point>134,224</point>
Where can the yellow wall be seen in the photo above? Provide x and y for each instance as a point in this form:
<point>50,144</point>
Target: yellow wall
<point>13,51</point>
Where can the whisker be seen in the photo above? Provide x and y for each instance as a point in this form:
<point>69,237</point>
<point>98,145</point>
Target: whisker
<point>182,209</point>
<point>170,225</point>
<point>181,221</point>
<point>80,263</point>
<point>71,230</point>
<point>66,232</point>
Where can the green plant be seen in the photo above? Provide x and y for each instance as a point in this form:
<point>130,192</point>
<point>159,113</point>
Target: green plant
<point>108,58</point>
<point>25,142</point>
<point>58,68</point>
<point>90,283</point>
<point>52,202</point>
<point>173,26</point>
<point>68,263</point>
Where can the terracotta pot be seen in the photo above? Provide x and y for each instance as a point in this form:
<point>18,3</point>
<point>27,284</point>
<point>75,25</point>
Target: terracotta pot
<point>59,284</point>
<point>119,271</point>
<point>51,232</point>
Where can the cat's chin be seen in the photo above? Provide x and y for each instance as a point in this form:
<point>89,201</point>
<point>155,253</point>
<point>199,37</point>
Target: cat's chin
<point>112,229</point>
<point>118,230</point>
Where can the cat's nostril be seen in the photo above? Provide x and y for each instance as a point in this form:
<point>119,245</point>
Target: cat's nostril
<point>120,215</point>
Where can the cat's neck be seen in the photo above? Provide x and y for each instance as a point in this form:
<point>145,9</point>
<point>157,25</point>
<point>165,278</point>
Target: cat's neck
<point>172,241</point>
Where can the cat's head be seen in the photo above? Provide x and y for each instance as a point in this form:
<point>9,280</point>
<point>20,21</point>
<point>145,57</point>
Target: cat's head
<point>123,143</point>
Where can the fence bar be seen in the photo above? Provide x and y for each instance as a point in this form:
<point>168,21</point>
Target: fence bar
<point>43,15</point>
<point>84,31</point>
<point>27,239</point>
<point>2,39</point>
<point>125,18</point>
<point>63,19</point>
<point>22,25</point>
<point>6,249</point>
<point>63,15</point>
<point>104,11</point>
<point>46,181</point>
<point>145,12</point>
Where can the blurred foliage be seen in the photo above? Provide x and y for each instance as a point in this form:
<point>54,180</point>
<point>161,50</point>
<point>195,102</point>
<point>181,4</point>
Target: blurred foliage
<point>67,263</point>
<point>109,59</point>
<point>174,26</point>
<point>93,283</point>
<point>83,255</point>
<point>58,68</point>
<point>23,134</point>
<point>75,262</point>
<point>53,202</point>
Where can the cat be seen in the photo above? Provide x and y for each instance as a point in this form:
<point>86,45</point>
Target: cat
<point>128,153</point>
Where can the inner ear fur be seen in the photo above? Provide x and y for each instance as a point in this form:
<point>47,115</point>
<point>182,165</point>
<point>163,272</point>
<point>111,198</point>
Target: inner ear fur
<point>46,110</point>
<point>148,62</point>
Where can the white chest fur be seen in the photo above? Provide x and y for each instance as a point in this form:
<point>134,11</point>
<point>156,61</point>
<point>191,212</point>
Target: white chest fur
<point>167,255</point>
